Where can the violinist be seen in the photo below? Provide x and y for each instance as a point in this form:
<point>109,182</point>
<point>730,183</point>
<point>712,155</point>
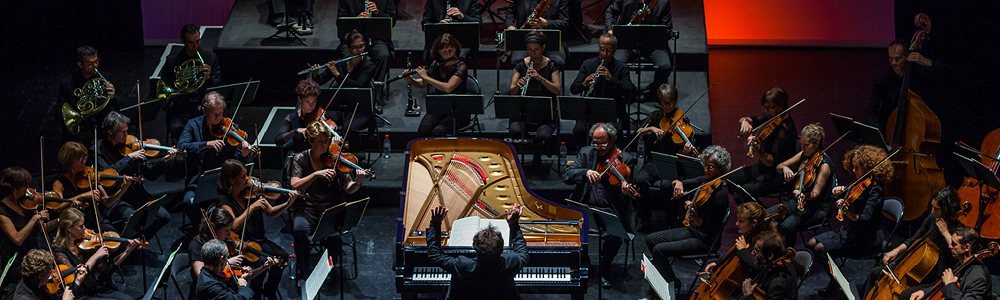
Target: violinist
<point>556,16</point>
<point>18,224</point>
<point>945,208</point>
<point>621,12</point>
<point>100,264</point>
<point>292,133</point>
<point>221,221</point>
<point>707,219</point>
<point>88,63</point>
<point>748,216</point>
<point>73,184</point>
<point>448,78</point>
<point>780,281</point>
<point>357,72</point>
<point>237,196</point>
<point>815,198</point>
<point>608,80</point>
<point>110,157</point>
<point>35,270</point>
<point>972,283</point>
<point>544,81</point>
<point>861,215</point>
<point>659,141</point>
<point>214,283</point>
<point>326,188</point>
<point>596,190</point>
<point>886,86</point>
<point>776,147</point>
<point>186,106</point>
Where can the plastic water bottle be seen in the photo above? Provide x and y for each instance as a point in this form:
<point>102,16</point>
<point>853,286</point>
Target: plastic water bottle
<point>386,147</point>
<point>562,154</point>
<point>640,147</point>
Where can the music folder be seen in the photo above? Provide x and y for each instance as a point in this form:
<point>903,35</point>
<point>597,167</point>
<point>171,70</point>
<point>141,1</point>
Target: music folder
<point>234,92</point>
<point>858,132</point>
<point>587,109</point>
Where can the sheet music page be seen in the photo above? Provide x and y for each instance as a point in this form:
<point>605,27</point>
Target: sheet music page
<point>315,280</point>
<point>839,277</point>
<point>660,285</point>
<point>464,230</point>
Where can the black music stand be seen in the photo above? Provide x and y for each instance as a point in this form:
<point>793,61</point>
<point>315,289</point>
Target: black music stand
<point>535,108</point>
<point>140,218</point>
<point>858,132</point>
<point>587,109</point>
<point>373,28</point>
<point>612,225</point>
<point>233,92</point>
<point>336,220</point>
<point>467,34</point>
<point>638,37</point>
<point>978,171</point>
<point>455,104</point>
<point>289,32</point>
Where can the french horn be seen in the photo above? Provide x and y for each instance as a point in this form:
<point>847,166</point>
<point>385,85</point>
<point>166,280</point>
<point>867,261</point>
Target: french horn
<point>188,79</point>
<point>93,98</point>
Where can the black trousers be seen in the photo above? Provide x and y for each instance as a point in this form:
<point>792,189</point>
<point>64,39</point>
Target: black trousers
<point>266,284</point>
<point>661,60</point>
<point>674,242</point>
<point>440,125</point>
<point>796,220</point>
<point>301,230</point>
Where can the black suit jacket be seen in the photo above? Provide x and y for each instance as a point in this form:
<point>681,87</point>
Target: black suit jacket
<point>622,11</point>
<point>557,14</point>
<point>434,10</point>
<point>201,157</point>
<point>211,287</point>
<point>352,8</point>
<point>475,278</point>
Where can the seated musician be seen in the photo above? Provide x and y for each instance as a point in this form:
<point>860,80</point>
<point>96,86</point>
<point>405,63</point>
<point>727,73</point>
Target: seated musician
<point>326,188</point>
<point>661,142</point>
<point>73,158</point>
<point>748,216</point>
<point>815,197</point>
<point>491,273</point>
<point>597,191</point>
<point>706,220</point>
<point>972,283</point>
<point>621,12</point>
<point>110,157</point>
<point>353,73</point>
<point>18,224</point>
<point>88,62</point>
<point>381,50</point>
<point>861,216</point>
<point>214,284</point>
<point>205,150</point>
<point>556,16</point>
<point>234,188</point>
<point>221,221</point>
<point>544,81</point>
<point>777,147</point>
<point>292,133</point>
<point>438,11</point>
<point>184,107</point>
<point>100,264</point>
<point>611,78</point>
<point>945,207</point>
<point>780,282</point>
<point>36,269</point>
<point>886,86</point>
<point>448,78</point>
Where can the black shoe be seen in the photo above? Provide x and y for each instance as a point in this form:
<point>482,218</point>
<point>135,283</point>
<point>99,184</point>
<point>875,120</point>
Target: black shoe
<point>605,283</point>
<point>378,109</point>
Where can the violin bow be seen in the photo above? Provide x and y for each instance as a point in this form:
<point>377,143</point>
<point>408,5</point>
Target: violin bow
<point>94,183</point>
<point>212,229</point>
<point>637,134</point>
<point>830,145</point>
<point>138,98</point>
<point>710,181</point>
<point>41,151</point>
<point>51,251</point>
<point>775,117</point>
<point>856,181</point>
<point>235,111</point>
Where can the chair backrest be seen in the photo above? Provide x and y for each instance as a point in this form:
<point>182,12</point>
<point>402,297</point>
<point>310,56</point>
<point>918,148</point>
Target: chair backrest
<point>718,237</point>
<point>472,85</point>
<point>803,262</point>
<point>181,261</point>
<point>893,208</point>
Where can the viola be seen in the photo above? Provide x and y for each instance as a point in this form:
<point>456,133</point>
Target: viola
<point>936,293</point>
<point>251,250</point>
<point>271,190</point>
<point>704,191</point>
<point>619,170</point>
<point>59,278</point>
<point>768,127</point>
<point>730,271</point>
<point>235,137</point>
<point>106,178</point>
<point>679,128</point>
<point>807,177</point>
<point>982,197</point>
<point>35,200</point>
<point>859,186</point>
<point>319,114</point>
<point>344,162</point>
<point>110,239</point>
<point>133,144</point>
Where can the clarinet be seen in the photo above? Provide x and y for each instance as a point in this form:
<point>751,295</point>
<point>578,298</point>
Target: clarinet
<point>527,79</point>
<point>593,83</point>
<point>366,8</point>
<point>447,7</point>
<point>410,104</point>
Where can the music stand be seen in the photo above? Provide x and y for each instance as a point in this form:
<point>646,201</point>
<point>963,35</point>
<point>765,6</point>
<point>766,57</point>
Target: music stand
<point>455,104</point>
<point>859,132</point>
<point>587,109</point>
<point>346,99</point>
<point>336,220</point>
<point>690,167</point>
<point>612,225</point>
<point>166,266</point>
<point>373,28</point>
<point>206,193</point>
<point>233,92</point>
<point>140,218</point>
<point>638,37</point>
<point>6,268</point>
<point>978,171</point>
<point>666,165</point>
<point>535,108</point>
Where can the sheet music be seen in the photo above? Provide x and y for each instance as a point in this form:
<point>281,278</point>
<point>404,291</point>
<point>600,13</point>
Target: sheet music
<point>317,277</point>
<point>839,277</point>
<point>464,230</point>
<point>662,288</point>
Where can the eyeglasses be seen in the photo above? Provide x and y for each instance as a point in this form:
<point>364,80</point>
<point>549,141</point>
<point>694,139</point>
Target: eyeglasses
<point>606,48</point>
<point>595,144</point>
<point>82,159</point>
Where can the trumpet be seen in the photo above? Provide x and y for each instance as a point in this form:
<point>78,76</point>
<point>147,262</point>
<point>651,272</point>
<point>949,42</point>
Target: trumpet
<point>320,66</point>
<point>93,97</point>
<point>593,83</point>
<point>527,79</point>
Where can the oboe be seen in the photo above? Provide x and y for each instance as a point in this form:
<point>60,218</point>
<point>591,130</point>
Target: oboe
<point>527,79</point>
<point>593,83</point>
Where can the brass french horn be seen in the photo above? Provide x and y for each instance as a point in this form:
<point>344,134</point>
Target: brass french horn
<point>188,79</point>
<point>93,98</point>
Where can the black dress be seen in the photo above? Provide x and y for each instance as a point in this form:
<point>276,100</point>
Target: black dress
<point>305,212</point>
<point>7,246</point>
<point>255,232</point>
<point>437,124</point>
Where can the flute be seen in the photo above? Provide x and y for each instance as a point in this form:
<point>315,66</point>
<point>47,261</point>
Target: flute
<point>320,66</point>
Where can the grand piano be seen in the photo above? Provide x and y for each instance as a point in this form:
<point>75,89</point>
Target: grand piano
<point>481,177</point>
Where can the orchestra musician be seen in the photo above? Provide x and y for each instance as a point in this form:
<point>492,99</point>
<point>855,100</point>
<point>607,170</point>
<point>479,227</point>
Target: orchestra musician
<point>610,80</point>
<point>816,198</point>
<point>110,157</point>
<point>36,269</point>
<point>945,208</point>
<point>706,221</point>
<point>780,282</point>
<point>184,107</point>
<point>18,224</point>
<point>449,78</point>
<point>973,283</point>
<point>777,147</point>
<point>460,11</point>
<point>214,284</point>
<point>100,264</point>
<point>555,17</point>
<point>292,133</point>
<point>326,188</point>
<point>544,81</point>
<point>596,191</point>
<point>73,158</point>
<point>88,62</point>
<point>380,50</point>
<point>886,86</point>
<point>221,221</point>
<point>861,215</point>
<point>621,12</point>
<point>661,142</point>
<point>490,275</point>
<point>353,73</point>
<point>236,196</point>
<point>748,216</point>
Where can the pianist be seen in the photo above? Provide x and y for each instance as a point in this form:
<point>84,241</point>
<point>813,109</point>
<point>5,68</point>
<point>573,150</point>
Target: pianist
<point>490,275</point>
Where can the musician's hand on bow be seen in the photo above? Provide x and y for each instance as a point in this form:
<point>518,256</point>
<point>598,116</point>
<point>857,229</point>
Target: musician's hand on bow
<point>173,152</point>
<point>687,148</point>
<point>745,126</point>
<point>741,243</point>
<point>660,133</point>
<point>590,78</point>
<point>215,145</point>
<point>236,261</point>
<point>748,287</point>
<point>788,173</point>
<point>42,215</point>
<point>919,294</point>
<point>678,188</point>
<point>438,214</point>
<point>593,176</point>
<point>603,71</point>
<point>890,256</point>
<point>109,89</point>
<point>709,268</point>
<point>948,277</point>
<point>259,204</point>
<point>514,214</point>
<point>328,174</point>
<point>68,293</point>
<point>838,190</point>
<point>456,14</point>
<point>140,154</point>
<point>919,58</point>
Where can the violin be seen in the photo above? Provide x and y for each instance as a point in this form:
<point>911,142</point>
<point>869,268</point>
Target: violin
<point>768,127</point>
<point>133,144</point>
<point>730,272</point>
<point>111,239</point>
<point>235,137</point>
<point>807,177</point>
<point>250,250</point>
<point>679,128</point>
<point>228,273</point>
<point>936,293</point>
<point>705,191</point>
<point>107,178</point>
<point>37,201</point>
<point>271,190</point>
<point>319,114</point>
<point>613,164</point>
<point>59,277</point>
<point>855,192</point>
<point>344,162</point>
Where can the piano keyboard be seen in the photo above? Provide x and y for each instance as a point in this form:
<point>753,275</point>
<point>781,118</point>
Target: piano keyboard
<point>527,275</point>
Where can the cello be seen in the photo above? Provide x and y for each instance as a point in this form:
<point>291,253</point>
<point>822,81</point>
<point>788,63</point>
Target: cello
<point>916,130</point>
<point>730,271</point>
<point>982,197</point>
<point>936,294</point>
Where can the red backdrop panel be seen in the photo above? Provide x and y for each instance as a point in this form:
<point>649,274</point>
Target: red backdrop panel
<point>797,22</point>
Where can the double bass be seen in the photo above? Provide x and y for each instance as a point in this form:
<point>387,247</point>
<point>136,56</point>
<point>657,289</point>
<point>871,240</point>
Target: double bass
<point>730,271</point>
<point>980,196</point>
<point>915,130</point>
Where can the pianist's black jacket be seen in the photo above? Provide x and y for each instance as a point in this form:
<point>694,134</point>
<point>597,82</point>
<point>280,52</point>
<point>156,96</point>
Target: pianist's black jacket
<point>477,278</point>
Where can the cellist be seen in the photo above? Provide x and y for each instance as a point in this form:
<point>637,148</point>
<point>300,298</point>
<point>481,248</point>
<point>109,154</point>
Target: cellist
<point>861,215</point>
<point>778,146</point>
<point>815,198</point>
<point>945,208</point>
<point>973,283</point>
<point>780,281</point>
<point>748,216</point>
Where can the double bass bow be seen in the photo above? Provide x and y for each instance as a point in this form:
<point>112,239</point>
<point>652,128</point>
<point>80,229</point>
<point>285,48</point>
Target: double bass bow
<point>729,271</point>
